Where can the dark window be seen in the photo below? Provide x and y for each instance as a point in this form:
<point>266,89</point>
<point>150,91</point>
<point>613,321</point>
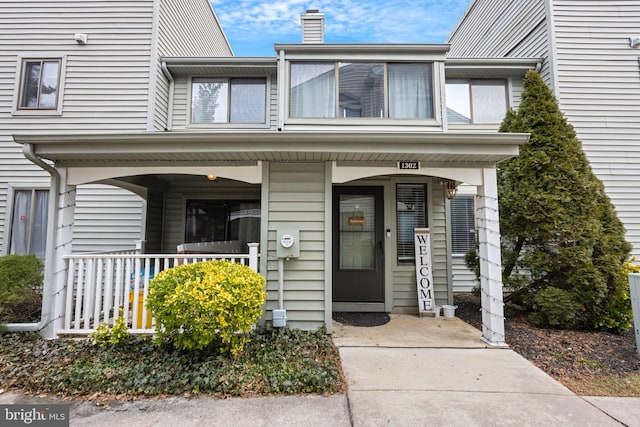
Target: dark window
<point>222,220</point>
<point>462,224</point>
<point>411,213</point>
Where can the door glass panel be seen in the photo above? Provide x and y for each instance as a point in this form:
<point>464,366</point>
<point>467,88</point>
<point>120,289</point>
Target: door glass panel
<point>357,232</point>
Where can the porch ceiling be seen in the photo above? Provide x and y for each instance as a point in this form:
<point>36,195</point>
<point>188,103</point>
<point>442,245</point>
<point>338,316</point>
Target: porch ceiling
<point>455,149</point>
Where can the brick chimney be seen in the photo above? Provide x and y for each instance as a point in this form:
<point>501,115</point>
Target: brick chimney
<point>312,26</point>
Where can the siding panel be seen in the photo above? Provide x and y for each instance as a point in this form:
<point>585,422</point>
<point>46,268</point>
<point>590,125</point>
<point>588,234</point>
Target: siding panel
<point>599,92</point>
<point>296,200</point>
<point>105,90</point>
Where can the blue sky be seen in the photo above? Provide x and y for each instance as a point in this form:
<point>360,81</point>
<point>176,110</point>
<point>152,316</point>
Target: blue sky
<point>253,26</point>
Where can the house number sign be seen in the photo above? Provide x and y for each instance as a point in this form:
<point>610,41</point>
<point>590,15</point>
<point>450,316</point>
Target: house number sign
<point>424,275</point>
<point>408,165</point>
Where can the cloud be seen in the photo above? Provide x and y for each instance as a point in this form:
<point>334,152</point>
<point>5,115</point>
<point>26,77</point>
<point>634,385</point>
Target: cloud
<point>376,21</point>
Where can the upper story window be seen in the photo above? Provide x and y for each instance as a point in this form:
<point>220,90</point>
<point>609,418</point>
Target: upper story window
<point>39,84</point>
<point>361,89</point>
<point>225,100</point>
<point>476,100</point>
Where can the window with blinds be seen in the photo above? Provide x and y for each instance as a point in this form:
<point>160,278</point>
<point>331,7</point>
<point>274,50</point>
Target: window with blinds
<point>411,213</point>
<point>462,224</point>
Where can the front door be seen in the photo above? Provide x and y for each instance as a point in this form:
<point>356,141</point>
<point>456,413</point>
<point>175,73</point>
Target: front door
<point>358,245</point>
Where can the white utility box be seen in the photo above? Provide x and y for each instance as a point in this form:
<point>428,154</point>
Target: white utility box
<point>279,318</point>
<point>288,243</point>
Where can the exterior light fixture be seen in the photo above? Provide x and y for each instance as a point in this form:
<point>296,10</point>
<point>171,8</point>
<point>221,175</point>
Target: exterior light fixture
<point>451,189</point>
<point>212,177</point>
<point>634,41</point>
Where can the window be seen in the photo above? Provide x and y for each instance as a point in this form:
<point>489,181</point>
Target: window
<point>364,89</point>
<point>313,90</point>
<point>39,84</point>
<point>476,101</point>
<point>411,213</point>
<point>462,224</point>
<point>222,220</point>
<point>29,222</point>
<point>222,100</point>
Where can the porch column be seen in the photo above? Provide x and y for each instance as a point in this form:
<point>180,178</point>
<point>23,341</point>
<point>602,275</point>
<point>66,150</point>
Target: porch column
<point>61,215</point>
<point>488,224</point>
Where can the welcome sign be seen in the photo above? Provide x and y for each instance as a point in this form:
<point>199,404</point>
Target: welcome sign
<point>424,275</point>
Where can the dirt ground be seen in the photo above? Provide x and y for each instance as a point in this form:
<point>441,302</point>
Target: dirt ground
<point>588,363</point>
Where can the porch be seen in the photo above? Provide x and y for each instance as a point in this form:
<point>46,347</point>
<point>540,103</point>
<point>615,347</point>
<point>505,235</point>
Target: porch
<point>97,286</point>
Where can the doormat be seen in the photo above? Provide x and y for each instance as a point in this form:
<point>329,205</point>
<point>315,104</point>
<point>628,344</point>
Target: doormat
<point>361,319</point>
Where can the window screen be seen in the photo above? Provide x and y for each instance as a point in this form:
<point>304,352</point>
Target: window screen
<point>411,213</point>
<point>462,225</point>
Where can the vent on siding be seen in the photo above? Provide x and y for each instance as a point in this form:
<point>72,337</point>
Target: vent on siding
<point>312,26</point>
<point>462,224</point>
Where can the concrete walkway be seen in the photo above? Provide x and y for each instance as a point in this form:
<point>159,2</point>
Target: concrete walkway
<point>410,372</point>
<point>429,371</point>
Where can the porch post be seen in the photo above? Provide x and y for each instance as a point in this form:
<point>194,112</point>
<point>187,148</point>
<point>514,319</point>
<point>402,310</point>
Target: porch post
<point>65,202</point>
<point>253,256</point>
<point>488,224</point>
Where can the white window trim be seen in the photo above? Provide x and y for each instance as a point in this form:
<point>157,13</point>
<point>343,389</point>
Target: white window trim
<point>15,106</point>
<point>267,108</point>
<point>8,226</point>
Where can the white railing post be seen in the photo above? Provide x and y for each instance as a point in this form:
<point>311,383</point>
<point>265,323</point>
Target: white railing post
<point>253,256</point>
<point>634,286</point>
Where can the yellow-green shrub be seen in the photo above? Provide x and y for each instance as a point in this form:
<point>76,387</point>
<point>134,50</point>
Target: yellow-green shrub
<point>112,336</point>
<point>196,304</point>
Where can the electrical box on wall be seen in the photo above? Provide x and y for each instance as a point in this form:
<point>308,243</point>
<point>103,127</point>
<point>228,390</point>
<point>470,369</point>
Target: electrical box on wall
<point>288,244</point>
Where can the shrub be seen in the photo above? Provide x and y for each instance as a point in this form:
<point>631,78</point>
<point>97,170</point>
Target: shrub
<point>112,336</point>
<point>555,308</point>
<point>21,278</point>
<point>197,304</point>
<point>557,224</point>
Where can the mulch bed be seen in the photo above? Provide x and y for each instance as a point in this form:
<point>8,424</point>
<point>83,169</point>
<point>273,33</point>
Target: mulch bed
<point>361,319</point>
<point>571,357</point>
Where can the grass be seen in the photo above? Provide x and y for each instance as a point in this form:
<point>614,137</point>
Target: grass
<point>627,386</point>
<point>275,362</point>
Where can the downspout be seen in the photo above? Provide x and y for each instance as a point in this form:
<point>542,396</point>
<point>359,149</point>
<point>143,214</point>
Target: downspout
<point>47,291</point>
<point>169,77</point>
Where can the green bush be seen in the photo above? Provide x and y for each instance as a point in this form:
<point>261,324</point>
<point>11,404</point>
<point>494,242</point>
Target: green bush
<point>112,336</point>
<point>559,229</point>
<point>21,278</point>
<point>555,308</point>
<point>197,304</point>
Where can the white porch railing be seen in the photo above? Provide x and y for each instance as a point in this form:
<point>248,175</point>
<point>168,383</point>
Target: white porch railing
<point>99,285</point>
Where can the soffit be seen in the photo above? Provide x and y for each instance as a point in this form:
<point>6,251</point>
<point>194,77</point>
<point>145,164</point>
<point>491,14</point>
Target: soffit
<point>177,148</point>
<point>246,66</point>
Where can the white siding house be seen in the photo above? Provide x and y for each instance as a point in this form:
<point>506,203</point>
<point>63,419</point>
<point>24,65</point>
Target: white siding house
<point>592,67</point>
<point>346,148</point>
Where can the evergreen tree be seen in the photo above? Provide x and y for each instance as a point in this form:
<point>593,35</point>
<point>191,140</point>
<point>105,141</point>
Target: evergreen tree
<point>563,244</point>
